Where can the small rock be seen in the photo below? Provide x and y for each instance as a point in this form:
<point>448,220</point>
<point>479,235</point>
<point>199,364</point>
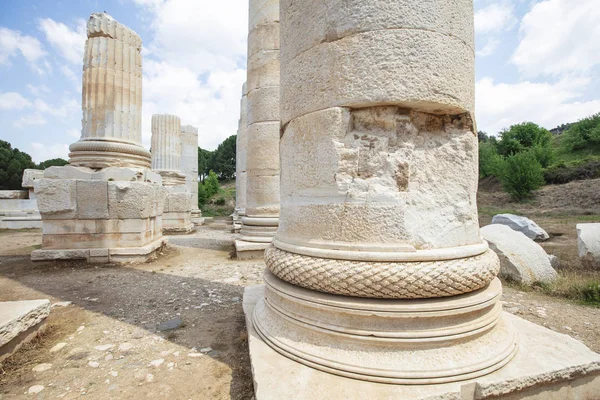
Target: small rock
<point>195,355</point>
<point>541,312</point>
<point>149,378</point>
<point>42,367</point>
<point>114,373</point>
<point>58,347</point>
<point>157,363</point>
<point>35,389</point>
<point>169,325</point>
<point>170,365</point>
<point>104,347</point>
<point>108,357</point>
<point>554,261</point>
<point>61,304</point>
<point>81,328</point>
<point>125,346</point>
<point>568,328</point>
<point>94,364</point>
<point>205,350</point>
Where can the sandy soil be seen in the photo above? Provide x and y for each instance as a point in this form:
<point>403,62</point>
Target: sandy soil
<point>111,341</point>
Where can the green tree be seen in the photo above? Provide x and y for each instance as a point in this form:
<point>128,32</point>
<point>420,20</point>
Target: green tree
<point>204,157</point>
<point>202,195</point>
<point>521,174</point>
<point>54,162</point>
<point>224,159</point>
<point>524,137</point>
<point>582,134</point>
<point>490,162</point>
<point>211,184</point>
<point>12,164</point>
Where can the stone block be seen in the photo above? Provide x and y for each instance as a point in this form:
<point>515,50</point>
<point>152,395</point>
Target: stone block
<point>263,105</point>
<point>178,202</point>
<point>63,254</point>
<point>92,199</point>
<point>93,240</point>
<point>13,194</point>
<point>19,321</point>
<point>263,139</point>
<point>119,174</point>
<point>523,225</point>
<point>588,242</point>
<point>262,12</point>
<point>30,175</point>
<point>337,19</point>
<point>59,226</point>
<point>250,250</point>
<point>422,70</point>
<point>263,195</point>
<point>68,172</point>
<point>263,69</point>
<point>263,37</point>
<point>56,197</point>
<point>131,200</point>
<point>521,259</point>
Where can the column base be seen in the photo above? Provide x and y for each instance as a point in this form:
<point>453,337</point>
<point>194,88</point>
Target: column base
<point>250,250</point>
<point>547,366</point>
<point>259,229</point>
<point>105,153</point>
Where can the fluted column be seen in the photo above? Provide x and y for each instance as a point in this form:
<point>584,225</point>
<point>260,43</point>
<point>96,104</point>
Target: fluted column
<point>189,162</point>
<point>111,98</point>
<point>166,148</point>
<point>378,197</point>
<point>241,154</point>
<point>262,163</point>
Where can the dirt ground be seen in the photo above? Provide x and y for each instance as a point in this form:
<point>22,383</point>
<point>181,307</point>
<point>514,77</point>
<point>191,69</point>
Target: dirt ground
<point>110,342</point>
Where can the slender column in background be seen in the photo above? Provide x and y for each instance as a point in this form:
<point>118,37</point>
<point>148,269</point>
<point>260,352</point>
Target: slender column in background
<point>189,164</point>
<point>240,165</point>
<point>111,133</point>
<point>166,149</point>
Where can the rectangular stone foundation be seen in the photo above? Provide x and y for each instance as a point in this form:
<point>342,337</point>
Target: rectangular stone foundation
<point>250,250</point>
<point>20,322</point>
<point>548,366</point>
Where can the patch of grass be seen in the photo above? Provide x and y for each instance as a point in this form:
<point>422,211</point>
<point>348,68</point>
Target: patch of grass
<point>580,286</point>
<point>222,203</point>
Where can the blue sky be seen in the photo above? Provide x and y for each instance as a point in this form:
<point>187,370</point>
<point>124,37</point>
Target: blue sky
<point>536,61</point>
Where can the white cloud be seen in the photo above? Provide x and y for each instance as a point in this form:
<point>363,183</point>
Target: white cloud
<point>13,42</point>
<point>13,101</point>
<point>74,133</point>
<point>70,43</point>
<point>495,17</point>
<point>489,48</point>
<point>35,119</point>
<point>559,36</point>
<point>500,105</point>
<point>193,68</point>
<point>41,152</point>
<point>39,90</point>
<point>66,108</point>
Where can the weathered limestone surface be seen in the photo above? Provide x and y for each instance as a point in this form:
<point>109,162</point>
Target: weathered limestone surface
<point>189,164</point>
<point>19,322</point>
<point>18,208</point>
<point>240,166</point>
<point>523,225</point>
<point>377,271</point>
<point>549,366</point>
<point>112,98</point>
<point>588,242</point>
<point>521,259</point>
<point>263,123</point>
<point>106,206</point>
<point>166,161</point>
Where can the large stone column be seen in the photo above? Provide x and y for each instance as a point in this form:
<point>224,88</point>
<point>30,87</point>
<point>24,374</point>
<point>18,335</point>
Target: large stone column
<point>262,133</point>
<point>378,271</point>
<point>189,166</point>
<point>107,205</point>
<point>240,164</point>
<point>166,161</point>
<point>111,98</point>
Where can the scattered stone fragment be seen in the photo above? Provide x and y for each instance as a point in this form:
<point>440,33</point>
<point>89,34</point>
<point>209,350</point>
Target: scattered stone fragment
<point>62,304</point>
<point>125,346</point>
<point>541,312</point>
<point>523,225</point>
<point>554,262</point>
<point>94,364</point>
<point>170,325</point>
<point>81,328</point>
<point>108,357</point>
<point>157,363</point>
<point>58,347</point>
<point>35,389</point>
<point>42,367</point>
<point>104,347</point>
<point>205,350</point>
<point>114,373</point>
<point>588,242</point>
<point>149,378</point>
<point>195,355</point>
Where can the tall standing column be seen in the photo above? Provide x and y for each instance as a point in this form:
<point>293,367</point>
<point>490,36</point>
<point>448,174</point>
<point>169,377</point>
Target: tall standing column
<point>378,197</point>
<point>189,164</point>
<point>111,133</point>
<point>166,161</point>
<point>240,164</point>
<point>262,162</point>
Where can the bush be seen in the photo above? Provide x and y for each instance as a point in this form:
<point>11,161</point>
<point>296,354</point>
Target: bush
<point>582,134</point>
<point>527,137</point>
<point>202,195</point>
<point>220,201</point>
<point>211,184</point>
<point>490,162</point>
<point>521,174</point>
<point>544,155</point>
<point>561,173</point>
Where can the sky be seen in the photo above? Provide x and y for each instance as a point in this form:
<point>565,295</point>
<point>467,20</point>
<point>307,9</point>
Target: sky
<point>536,60</point>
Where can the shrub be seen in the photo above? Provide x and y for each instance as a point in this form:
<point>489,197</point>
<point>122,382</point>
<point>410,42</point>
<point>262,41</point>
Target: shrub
<point>582,134</point>
<point>561,173</point>
<point>544,155</point>
<point>202,195</point>
<point>521,174</point>
<point>211,184</point>
<point>490,162</point>
<point>527,137</point>
<point>220,201</point>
